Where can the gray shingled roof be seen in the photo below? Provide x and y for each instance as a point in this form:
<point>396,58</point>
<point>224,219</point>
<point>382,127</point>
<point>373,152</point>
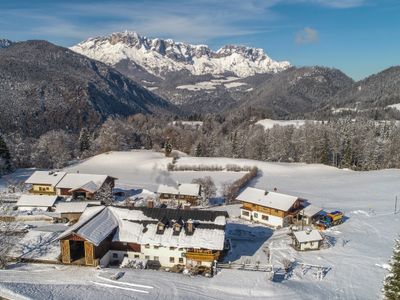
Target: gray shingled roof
<point>99,228</point>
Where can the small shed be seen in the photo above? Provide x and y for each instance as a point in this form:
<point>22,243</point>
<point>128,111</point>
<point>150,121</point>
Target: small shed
<point>310,213</point>
<point>38,202</point>
<point>307,240</point>
<point>71,211</point>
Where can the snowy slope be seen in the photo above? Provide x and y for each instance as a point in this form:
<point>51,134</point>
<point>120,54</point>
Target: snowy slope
<point>159,56</point>
<point>361,246</point>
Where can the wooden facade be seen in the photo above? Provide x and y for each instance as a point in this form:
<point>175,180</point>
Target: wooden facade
<point>202,255</point>
<point>77,250</point>
<point>66,192</point>
<point>43,189</point>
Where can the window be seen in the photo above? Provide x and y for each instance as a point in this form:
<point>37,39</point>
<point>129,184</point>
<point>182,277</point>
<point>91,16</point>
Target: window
<point>255,215</point>
<point>156,247</point>
<point>115,255</point>
<point>180,249</point>
<point>172,259</point>
<point>245,213</point>
<point>147,257</point>
<point>126,255</point>
<point>264,217</point>
<point>147,246</point>
<point>172,248</point>
<point>276,210</point>
<point>180,260</point>
<point>156,258</point>
<point>136,256</point>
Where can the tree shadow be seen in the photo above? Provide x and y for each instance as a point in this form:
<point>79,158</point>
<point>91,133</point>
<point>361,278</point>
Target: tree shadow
<point>245,240</point>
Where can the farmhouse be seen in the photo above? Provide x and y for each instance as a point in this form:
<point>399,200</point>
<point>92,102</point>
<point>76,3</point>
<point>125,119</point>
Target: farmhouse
<point>83,186</point>
<point>270,208</point>
<point>165,237</point>
<point>44,182</point>
<point>307,240</point>
<point>182,194</point>
<point>37,202</point>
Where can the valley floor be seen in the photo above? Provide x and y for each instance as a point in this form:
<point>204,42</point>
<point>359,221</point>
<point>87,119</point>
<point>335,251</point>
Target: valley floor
<point>357,260</point>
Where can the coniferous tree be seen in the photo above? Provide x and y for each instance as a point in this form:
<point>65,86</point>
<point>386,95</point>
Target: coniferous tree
<point>84,140</point>
<point>5,157</point>
<point>391,287</point>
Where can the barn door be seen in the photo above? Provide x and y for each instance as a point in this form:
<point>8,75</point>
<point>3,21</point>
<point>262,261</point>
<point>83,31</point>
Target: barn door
<point>65,252</point>
<point>89,255</point>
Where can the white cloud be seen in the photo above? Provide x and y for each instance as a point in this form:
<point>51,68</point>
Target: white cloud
<point>195,21</point>
<point>306,36</point>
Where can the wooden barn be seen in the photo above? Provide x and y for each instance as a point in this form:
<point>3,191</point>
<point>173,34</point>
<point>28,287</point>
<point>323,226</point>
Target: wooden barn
<point>270,208</point>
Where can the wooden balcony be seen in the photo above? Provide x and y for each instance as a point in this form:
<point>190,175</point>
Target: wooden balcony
<point>36,192</point>
<point>206,255</point>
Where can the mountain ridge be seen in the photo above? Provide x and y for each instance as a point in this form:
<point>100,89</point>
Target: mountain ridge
<point>161,56</point>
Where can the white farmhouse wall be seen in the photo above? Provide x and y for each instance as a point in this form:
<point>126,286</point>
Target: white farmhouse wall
<point>309,246</point>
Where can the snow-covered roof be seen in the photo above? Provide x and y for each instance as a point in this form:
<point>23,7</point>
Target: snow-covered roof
<point>89,186</point>
<point>308,236</point>
<point>37,200</point>
<point>189,189</point>
<point>311,210</point>
<point>45,177</point>
<point>71,207</point>
<point>99,227</point>
<point>77,180</point>
<point>208,233</point>
<point>167,189</point>
<point>268,199</point>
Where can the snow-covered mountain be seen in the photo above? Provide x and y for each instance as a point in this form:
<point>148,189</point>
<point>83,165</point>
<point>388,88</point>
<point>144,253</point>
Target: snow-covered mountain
<point>159,57</point>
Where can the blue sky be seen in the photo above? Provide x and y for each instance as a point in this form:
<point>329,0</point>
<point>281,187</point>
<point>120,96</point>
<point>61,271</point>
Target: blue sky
<point>360,37</point>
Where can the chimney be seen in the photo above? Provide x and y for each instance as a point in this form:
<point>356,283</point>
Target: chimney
<point>150,204</point>
<point>189,226</point>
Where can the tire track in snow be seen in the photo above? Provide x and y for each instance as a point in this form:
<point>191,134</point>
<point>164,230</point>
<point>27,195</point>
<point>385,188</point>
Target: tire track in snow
<point>119,287</point>
<point>126,283</point>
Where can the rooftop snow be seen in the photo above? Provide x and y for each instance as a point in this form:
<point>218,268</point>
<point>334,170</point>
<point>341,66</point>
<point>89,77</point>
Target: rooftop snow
<point>99,227</point>
<point>267,199</point>
<point>89,186</point>
<point>209,230</point>
<point>311,210</point>
<point>190,189</point>
<point>45,177</point>
<point>308,236</point>
<point>77,180</point>
<point>37,200</point>
<point>71,207</point>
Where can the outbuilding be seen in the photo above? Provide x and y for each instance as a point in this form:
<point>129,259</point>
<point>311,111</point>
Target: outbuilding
<point>36,202</point>
<point>307,240</point>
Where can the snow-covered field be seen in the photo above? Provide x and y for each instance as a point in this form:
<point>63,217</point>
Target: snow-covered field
<point>361,246</point>
<point>269,123</point>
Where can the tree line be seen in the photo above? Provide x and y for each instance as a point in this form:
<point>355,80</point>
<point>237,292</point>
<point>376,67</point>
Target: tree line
<point>359,144</point>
